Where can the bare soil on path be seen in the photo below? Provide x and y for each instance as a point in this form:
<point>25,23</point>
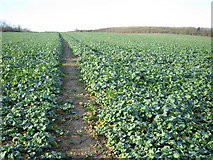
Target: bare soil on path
<point>80,141</point>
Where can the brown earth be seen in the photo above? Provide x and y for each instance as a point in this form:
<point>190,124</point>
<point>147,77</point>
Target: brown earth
<point>80,141</point>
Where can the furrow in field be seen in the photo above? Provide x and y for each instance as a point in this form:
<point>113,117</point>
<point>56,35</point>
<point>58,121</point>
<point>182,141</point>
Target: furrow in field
<point>78,141</point>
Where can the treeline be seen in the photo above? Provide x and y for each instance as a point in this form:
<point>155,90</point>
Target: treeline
<point>167,30</point>
<point>5,27</point>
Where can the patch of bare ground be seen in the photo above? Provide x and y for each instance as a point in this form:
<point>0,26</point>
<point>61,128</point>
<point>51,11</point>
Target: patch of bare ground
<point>80,140</point>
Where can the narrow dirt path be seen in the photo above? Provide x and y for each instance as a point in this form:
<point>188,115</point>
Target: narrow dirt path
<point>79,141</point>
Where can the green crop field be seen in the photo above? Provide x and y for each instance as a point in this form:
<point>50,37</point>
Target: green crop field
<point>153,92</point>
<point>30,84</point>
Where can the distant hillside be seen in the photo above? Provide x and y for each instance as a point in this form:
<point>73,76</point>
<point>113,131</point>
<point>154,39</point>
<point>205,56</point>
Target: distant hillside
<point>169,30</point>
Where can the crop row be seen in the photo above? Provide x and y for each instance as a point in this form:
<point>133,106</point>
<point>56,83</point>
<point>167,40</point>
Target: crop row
<point>155,92</point>
<point>30,84</point>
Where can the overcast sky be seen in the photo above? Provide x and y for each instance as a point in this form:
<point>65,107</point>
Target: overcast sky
<point>67,15</point>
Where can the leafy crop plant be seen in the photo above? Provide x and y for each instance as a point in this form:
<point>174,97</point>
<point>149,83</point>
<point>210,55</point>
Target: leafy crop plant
<point>155,92</point>
<point>30,84</point>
